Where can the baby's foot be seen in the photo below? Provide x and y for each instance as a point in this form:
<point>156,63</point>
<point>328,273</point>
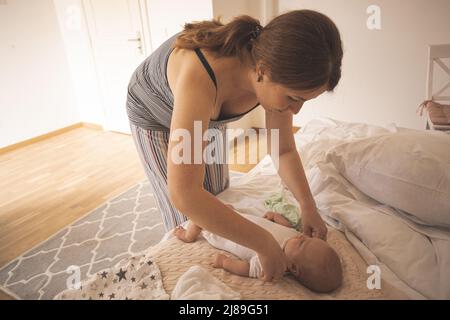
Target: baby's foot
<point>218,262</point>
<point>181,234</point>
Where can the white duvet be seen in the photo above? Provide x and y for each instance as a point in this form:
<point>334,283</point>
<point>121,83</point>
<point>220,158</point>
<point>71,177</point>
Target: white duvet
<point>413,258</point>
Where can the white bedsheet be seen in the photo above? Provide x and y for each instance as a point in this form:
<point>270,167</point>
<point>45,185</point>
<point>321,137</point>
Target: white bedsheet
<point>413,258</point>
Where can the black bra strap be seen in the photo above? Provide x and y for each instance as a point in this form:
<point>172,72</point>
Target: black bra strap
<point>206,65</point>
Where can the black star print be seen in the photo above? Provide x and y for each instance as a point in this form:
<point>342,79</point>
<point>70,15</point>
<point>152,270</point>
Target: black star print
<point>90,298</point>
<point>101,295</point>
<point>143,286</point>
<point>104,274</point>
<point>132,265</point>
<point>126,298</point>
<point>133,279</point>
<point>112,296</point>
<point>121,274</point>
<point>152,277</point>
<point>150,262</point>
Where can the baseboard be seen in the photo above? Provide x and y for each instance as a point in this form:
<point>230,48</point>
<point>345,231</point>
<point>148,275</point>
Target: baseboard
<point>92,126</point>
<point>49,135</point>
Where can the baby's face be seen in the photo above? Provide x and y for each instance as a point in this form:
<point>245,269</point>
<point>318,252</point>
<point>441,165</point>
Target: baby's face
<point>314,263</point>
<point>302,248</point>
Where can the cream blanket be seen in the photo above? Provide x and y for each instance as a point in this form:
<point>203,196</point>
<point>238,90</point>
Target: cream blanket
<point>198,284</point>
<point>175,257</point>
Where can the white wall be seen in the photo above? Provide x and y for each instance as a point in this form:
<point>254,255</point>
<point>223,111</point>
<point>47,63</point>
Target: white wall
<point>228,9</point>
<point>167,17</point>
<point>35,87</point>
<point>384,71</point>
<point>48,79</point>
<point>263,10</point>
<point>48,75</point>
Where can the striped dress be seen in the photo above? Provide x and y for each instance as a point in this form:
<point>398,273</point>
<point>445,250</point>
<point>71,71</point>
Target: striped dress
<point>149,108</point>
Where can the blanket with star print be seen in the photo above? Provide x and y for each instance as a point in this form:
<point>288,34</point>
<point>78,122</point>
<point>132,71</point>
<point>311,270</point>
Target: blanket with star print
<point>135,278</point>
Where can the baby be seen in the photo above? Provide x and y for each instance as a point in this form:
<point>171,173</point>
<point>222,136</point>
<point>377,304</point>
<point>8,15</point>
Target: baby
<point>311,260</point>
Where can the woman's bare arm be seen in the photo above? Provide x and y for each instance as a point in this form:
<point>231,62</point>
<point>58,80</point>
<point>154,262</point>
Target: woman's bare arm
<point>194,95</point>
<point>291,171</point>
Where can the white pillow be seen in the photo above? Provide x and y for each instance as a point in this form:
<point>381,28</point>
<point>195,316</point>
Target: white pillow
<point>406,170</point>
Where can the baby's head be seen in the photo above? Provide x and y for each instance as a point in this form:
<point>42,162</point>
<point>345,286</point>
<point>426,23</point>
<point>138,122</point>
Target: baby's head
<point>314,263</point>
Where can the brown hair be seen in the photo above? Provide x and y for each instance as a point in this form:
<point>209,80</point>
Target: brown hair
<point>323,274</point>
<point>300,49</point>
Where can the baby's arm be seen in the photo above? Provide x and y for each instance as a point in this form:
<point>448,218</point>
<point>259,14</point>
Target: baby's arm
<point>235,266</point>
<point>190,234</point>
<point>277,218</point>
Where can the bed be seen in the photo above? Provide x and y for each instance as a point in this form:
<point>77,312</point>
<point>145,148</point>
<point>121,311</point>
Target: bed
<point>411,256</point>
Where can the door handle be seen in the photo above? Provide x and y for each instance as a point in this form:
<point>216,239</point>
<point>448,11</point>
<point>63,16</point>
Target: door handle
<point>139,40</point>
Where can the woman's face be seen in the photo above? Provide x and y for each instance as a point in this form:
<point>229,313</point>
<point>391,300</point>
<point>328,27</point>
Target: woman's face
<point>277,98</point>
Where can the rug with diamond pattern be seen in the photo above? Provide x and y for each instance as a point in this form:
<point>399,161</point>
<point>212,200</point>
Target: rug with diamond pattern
<point>121,228</point>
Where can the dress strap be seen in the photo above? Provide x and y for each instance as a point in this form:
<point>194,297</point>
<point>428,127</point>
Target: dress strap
<point>206,65</point>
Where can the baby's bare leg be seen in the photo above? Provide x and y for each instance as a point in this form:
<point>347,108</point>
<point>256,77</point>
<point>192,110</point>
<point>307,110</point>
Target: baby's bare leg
<point>188,235</point>
<point>235,266</point>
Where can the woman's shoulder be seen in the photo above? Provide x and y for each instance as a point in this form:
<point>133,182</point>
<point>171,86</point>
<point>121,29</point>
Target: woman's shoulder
<point>184,68</point>
<point>183,60</point>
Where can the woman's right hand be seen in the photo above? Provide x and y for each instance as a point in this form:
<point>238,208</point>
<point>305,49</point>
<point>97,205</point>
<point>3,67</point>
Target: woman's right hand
<point>273,260</point>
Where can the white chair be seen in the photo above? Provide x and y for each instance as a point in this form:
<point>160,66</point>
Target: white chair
<point>438,115</point>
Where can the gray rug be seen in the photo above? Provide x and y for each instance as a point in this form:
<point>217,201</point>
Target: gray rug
<point>122,227</point>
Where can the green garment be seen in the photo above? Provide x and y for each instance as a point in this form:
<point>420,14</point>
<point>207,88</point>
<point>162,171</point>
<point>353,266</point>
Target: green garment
<point>278,203</point>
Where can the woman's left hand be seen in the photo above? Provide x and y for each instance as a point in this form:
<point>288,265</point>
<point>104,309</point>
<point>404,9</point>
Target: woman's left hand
<point>313,225</point>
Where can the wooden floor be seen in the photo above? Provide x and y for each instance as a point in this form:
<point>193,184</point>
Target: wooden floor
<point>50,184</point>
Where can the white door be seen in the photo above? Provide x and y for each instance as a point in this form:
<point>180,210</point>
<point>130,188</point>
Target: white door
<point>117,32</point>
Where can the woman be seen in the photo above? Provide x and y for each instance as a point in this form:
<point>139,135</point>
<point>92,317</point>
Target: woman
<point>215,74</point>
